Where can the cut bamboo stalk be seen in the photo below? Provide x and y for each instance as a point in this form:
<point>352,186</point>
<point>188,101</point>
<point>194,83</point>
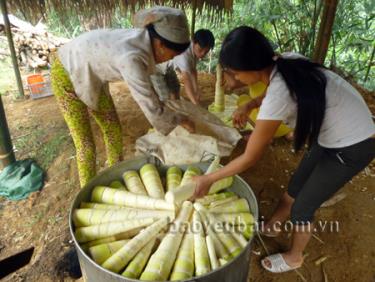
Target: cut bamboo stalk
<point>134,183</point>
<point>107,195</point>
<point>240,218</point>
<point>219,103</point>
<point>247,230</point>
<point>211,252</point>
<point>206,200</point>
<point>201,257</point>
<point>161,262</point>
<point>240,239</point>
<point>87,217</point>
<point>174,176</point>
<point>181,193</point>
<point>239,205</point>
<point>110,239</point>
<point>136,266</point>
<point>117,184</point>
<point>101,252</point>
<point>222,262</point>
<point>220,184</point>
<point>152,182</point>
<point>89,233</point>
<point>190,172</point>
<point>220,249</point>
<point>222,202</point>
<point>120,259</point>
<point>226,238</point>
<point>97,206</point>
<point>184,264</point>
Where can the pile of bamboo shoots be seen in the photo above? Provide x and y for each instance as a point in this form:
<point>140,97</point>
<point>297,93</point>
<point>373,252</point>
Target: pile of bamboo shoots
<point>141,231</point>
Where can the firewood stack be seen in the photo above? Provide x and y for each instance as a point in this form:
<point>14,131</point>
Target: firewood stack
<point>33,48</point>
<point>33,44</point>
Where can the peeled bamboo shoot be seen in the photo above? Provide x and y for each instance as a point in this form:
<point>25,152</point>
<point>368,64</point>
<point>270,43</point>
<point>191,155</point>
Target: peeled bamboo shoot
<point>174,176</point>
<point>189,173</point>
<point>181,193</point>
<point>184,264</point>
<point>201,257</point>
<point>107,195</point>
<point>135,267</point>
<point>101,252</point>
<point>117,184</point>
<point>151,179</point>
<point>240,205</point>
<point>219,104</point>
<point>240,218</point>
<point>206,200</point>
<point>89,233</point>
<point>134,183</point>
<point>121,258</point>
<point>87,217</point>
<point>161,262</point>
<point>212,253</point>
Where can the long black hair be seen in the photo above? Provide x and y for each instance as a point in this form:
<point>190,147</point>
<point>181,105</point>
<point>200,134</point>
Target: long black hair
<point>178,47</point>
<point>246,49</point>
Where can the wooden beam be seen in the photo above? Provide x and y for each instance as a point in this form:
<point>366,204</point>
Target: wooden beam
<point>8,32</point>
<point>325,30</point>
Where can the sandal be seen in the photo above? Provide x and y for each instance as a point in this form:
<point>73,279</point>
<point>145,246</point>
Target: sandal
<point>278,264</point>
<point>269,234</point>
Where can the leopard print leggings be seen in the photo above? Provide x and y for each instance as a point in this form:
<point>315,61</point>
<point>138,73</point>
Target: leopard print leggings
<point>76,115</point>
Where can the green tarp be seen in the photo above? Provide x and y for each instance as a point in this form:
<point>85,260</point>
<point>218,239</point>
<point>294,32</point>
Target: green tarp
<point>21,178</point>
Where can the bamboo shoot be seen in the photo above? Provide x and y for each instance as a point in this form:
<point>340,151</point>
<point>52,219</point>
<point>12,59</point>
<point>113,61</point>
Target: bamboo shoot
<point>151,179</point>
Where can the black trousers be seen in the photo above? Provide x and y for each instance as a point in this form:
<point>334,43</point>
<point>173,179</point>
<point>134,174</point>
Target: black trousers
<point>322,172</point>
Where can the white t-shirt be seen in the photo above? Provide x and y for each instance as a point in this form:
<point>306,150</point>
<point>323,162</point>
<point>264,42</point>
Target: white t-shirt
<point>347,119</point>
<point>185,62</point>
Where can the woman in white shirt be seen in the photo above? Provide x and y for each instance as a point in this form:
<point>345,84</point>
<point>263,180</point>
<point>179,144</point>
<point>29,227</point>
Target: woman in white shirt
<point>327,113</point>
<point>83,68</point>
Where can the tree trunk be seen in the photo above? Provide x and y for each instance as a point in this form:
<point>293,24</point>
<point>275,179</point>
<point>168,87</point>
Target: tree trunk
<point>325,30</point>
<point>193,18</point>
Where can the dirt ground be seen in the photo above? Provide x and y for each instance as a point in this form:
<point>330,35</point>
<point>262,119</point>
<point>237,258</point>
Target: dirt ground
<point>42,219</point>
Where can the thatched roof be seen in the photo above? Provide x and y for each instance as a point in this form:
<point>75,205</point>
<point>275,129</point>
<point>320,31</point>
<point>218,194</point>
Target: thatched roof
<point>33,10</point>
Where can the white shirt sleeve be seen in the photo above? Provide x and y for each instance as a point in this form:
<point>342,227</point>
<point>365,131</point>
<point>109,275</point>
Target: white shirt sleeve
<point>139,82</point>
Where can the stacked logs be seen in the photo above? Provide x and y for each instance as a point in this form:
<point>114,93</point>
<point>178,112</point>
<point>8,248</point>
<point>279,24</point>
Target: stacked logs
<point>33,48</point>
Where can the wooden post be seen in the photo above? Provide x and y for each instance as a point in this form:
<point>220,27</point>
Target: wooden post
<point>325,30</point>
<point>194,7</point>
<point>8,32</point>
<point>6,149</point>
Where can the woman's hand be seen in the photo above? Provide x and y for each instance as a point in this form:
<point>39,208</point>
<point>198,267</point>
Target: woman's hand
<point>241,116</point>
<point>203,186</point>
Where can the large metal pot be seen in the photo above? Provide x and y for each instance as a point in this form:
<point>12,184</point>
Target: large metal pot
<point>235,271</point>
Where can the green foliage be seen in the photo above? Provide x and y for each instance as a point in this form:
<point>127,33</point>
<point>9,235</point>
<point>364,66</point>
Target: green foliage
<point>292,25</point>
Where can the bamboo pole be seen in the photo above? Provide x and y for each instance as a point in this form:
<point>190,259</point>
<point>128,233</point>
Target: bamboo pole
<point>6,149</point>
<point>325,30</point>
<point>8,32</point>
<point>370,63</point>
<point>194,8</point>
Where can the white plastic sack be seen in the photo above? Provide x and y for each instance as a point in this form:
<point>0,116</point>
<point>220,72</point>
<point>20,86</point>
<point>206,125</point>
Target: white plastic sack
<point>212,137</point>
